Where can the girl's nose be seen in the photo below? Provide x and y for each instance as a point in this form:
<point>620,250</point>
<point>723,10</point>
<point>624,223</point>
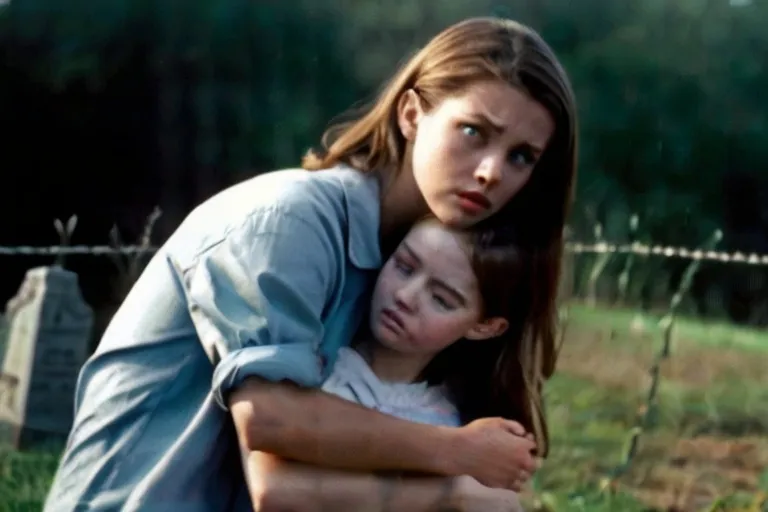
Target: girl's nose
<point>406,296</point>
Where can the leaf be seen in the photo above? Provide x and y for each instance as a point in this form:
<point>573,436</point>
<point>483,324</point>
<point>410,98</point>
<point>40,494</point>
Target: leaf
<point>71,225</point>
<point>59,227</point>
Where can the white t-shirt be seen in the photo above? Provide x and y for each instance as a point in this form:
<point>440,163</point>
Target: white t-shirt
<point>353,380</point>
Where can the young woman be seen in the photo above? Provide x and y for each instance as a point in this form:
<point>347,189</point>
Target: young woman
<point>443,348</point>
<point>478,128</point>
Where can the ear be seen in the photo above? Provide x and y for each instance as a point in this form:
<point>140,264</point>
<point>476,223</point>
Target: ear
<point>488,328</point>
<point>409,113</point>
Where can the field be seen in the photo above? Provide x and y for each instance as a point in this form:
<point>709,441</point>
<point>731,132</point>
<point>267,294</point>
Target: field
<point>707,450</point>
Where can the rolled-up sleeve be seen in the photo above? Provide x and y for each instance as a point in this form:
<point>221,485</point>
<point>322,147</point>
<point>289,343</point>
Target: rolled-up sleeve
<point>257,297</point>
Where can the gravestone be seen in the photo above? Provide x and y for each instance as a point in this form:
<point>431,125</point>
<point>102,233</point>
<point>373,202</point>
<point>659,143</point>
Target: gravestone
<point>49,326</point>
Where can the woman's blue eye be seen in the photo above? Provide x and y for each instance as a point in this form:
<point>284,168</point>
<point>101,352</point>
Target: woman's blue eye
<point>522,157</point>
<point>470,130</point>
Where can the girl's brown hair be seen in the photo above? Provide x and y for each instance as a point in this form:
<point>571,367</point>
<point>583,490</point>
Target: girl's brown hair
<point>502,376</point>
<point>473,50</point>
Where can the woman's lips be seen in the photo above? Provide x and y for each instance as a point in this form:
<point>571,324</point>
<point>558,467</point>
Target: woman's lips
<point>473,202</point>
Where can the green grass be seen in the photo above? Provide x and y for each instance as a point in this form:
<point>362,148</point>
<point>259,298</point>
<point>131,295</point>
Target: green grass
<point>718,334</point>
<point>591,424</point>
<point>24,479</point>
<point>708,440</point>
<point>3,339</point>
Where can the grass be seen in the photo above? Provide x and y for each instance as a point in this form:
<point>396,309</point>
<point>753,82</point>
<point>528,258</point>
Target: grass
<point>708,449</point>
<point>24,479</point>
<point>627,321</point>
<point>3,338</point>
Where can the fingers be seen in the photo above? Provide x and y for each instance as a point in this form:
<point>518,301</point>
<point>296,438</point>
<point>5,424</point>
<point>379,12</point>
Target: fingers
<point>529,445</point>
<point>515,428</point>
<point>518,483</point>
<point>528,464</point>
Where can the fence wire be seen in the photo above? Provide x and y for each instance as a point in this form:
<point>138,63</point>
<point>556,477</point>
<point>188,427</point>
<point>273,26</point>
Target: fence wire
<point>572,247</point>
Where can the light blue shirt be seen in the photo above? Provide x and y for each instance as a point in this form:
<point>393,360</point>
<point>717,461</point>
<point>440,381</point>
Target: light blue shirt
<point>267,278</point>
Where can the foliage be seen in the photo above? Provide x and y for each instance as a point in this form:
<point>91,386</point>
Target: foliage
<point>670,96</point>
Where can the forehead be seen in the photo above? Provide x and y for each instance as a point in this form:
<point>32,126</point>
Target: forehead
<point>442,252</point>
<point>505,106</point>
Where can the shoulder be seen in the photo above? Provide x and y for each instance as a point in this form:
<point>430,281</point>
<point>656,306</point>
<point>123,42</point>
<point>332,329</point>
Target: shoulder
<point>287,203</point>
<point>297,193</point>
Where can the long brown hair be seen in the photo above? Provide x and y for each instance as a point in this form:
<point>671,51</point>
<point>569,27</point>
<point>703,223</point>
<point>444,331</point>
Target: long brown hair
<point>473,50</point>
<point>502,376</point>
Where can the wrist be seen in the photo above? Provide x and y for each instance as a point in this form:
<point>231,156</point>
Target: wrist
<point>449,452</point>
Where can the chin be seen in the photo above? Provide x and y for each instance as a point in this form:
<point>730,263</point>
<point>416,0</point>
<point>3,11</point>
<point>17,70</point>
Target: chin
<point>451,217</point>
<point>384,336</point>
<point>390,340</point>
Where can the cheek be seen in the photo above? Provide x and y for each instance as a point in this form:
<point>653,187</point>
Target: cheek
<point>437,153</point>
<point>383,285</point>
<point>512,185</point>
<point>440,331</point>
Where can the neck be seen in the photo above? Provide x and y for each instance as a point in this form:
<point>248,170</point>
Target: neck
<point>402,203</point>
<point>392,366</point>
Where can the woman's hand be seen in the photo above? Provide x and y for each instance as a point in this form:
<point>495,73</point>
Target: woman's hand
<point>494,451</point>
<point>475,497</point>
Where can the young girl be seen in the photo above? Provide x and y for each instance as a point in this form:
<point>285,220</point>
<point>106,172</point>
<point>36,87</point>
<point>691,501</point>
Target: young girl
<point>440,310</point>
<point>442,347</point>
<point>259,281</point>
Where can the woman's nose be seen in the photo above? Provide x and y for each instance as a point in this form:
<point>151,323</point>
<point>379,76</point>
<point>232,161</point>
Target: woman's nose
<point>489,171</point>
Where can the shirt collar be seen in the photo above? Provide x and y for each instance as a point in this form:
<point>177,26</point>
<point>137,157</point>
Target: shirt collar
<point>362,192</point>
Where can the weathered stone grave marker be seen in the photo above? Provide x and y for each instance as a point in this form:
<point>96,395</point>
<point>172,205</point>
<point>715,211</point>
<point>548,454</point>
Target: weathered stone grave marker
<point>48,335</point>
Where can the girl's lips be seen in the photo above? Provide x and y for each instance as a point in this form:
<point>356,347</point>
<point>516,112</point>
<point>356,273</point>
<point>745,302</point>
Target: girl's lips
<point>392,317</point>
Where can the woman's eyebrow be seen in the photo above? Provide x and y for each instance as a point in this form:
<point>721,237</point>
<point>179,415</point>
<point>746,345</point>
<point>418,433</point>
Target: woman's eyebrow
<point>498,127</point>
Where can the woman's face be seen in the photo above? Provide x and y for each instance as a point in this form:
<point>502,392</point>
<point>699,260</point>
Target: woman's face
<point>473,152</point>
<point>427,296</point>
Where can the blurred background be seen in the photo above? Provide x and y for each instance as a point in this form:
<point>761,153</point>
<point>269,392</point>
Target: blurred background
<point>111,109</point>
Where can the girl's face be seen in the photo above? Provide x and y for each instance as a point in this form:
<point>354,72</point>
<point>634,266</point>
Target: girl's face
<point>473,152</point>
<point>427,297</point>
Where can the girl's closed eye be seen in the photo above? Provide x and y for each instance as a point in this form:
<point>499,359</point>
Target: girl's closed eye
<point>443,302</point>
<point>403,266</point>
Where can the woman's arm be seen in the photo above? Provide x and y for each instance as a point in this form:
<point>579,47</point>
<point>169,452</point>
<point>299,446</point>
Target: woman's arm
<point>324,430</point>
<point>257,301</point>
<point>277,485</point>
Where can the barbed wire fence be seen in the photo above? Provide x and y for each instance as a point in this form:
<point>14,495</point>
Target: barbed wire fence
<point>601,249</point>
<point>572,247</point>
